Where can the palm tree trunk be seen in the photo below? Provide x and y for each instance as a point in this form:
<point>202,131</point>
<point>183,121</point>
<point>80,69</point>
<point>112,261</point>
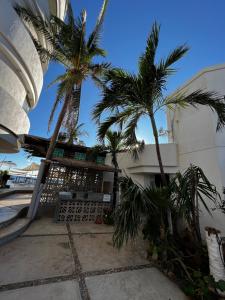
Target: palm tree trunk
<point>115,188</point>
<point>115,181</point>
<point>72,123</point>
<point>196,216</point>
<point>155,133</point>
<point>57,127</point>
<point>162,173</point>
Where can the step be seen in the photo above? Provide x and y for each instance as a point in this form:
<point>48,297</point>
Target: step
<point>7,216</point>
<point>7,192</point>
<point>13,230</point>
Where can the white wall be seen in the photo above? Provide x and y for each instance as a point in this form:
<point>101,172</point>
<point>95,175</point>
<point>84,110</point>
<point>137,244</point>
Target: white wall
<point>142,170</point>
<point>194,130</point>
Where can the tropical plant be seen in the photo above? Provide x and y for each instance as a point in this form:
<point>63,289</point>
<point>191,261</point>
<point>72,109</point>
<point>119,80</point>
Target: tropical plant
<point>72,135</point>
<point>183,196</point>
<point>67,44</point>
<point>128,215</point>
<point>180,256</point>
<point>189,191</point>
<point>114,142</point>
<point>128,97</point>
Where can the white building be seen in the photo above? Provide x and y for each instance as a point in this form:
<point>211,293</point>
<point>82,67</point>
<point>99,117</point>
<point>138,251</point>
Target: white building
<point>21,71</point>
<point>192,140</point>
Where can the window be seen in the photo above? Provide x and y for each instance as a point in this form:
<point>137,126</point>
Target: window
<point>58,152</point>
<point>80,156</point>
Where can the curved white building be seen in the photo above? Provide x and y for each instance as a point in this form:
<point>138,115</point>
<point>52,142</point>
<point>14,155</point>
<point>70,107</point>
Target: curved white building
<point>21,71</point>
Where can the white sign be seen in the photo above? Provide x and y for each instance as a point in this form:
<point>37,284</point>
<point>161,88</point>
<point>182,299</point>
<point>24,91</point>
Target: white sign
<point>106,198</point>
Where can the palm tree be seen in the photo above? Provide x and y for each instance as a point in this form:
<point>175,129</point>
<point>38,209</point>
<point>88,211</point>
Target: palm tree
<point>72,135</point>
<point>115,143</point>
<point>67,44</point>
<point>187,189</point>
<point>128,96</point>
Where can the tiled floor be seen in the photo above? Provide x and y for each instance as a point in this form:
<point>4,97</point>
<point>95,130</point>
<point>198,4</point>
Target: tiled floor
<point>57,261</point>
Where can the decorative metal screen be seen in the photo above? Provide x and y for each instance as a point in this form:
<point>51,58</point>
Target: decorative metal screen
<point>63,178</point>
<point>79,211</point>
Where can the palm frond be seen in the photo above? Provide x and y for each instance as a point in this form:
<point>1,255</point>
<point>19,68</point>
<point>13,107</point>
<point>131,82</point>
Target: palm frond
<point>58,79</point>
<point>197,98</point>
<point>95,35</point>
<point>174,56</point>
<point>120,89</point>
<point>133,144</point>
<point>192,186</point>
<point>70,16</point>
<point>128,214</point>
<point>152,44</point>
<point>49,29</point>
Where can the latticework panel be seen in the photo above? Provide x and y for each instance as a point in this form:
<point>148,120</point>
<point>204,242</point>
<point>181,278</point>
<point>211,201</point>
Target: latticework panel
<point>80,211</point>
<point>62,178</point>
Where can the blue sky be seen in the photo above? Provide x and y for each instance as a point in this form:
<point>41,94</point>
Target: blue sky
<point>200,24</point>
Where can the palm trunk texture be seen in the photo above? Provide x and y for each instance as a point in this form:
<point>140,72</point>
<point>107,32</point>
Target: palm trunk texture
<point>162,173</point>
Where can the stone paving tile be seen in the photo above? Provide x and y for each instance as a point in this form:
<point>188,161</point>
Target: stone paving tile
<point>91,228</point>
<point>30,258</point>
<point>145,284</point>
<point>45,226</point>
<point>96,252</point>
<point>67,290</point>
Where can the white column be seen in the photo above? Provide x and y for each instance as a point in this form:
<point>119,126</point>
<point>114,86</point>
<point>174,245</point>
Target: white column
<point>35,200</point>
<point>215,251</point>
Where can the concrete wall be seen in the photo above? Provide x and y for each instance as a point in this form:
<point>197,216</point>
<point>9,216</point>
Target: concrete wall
<point>143,169</point>
<point>194,131</point>
<point>21,72</point>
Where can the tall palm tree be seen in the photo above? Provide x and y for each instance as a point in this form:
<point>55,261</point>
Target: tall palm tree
<point>115,143</point>
<point>128,96</point>
<point>68,44</point>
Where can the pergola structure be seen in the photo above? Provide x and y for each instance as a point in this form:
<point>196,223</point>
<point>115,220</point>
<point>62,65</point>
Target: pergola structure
<point>78,185</point>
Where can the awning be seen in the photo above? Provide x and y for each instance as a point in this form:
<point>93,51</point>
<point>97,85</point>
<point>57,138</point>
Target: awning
<point>84,164</point>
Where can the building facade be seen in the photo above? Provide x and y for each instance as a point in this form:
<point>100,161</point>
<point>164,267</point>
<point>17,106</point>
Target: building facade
<point>21,71</point>
<point>192,139</point>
